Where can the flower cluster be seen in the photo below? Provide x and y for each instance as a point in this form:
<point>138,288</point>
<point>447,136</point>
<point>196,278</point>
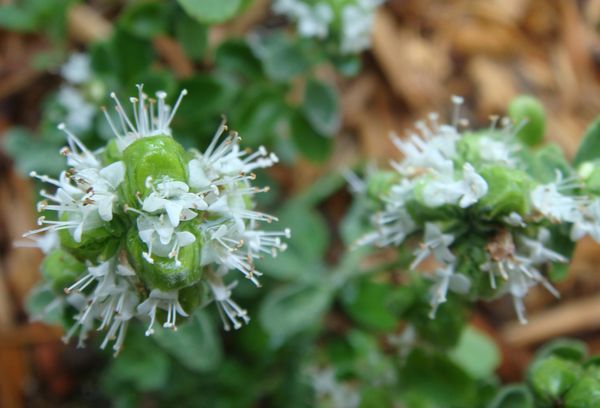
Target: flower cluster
<point>348,23</point>
<point>491,213</point>
<point>145,229</point>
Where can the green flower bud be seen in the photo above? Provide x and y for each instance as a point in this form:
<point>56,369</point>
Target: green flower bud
<point>98,244</point>
<point>552,377</point>
<point>527,108</point>
<point>154,157</point>
<point>379,184</point>
<point>61,269</point>
<point>165,273</point>
<point>590,173</point>
<point>508,191</point>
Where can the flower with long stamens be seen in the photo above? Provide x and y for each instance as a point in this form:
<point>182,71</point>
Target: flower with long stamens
<point>495,214</point>
<point>143,229</point>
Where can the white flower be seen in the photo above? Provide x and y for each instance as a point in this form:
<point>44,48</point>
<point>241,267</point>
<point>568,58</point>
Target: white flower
<point>392,227</point>
<point>224,245</point>
<point>514,220</point>
<point>112,301</point>
<point>328,388</point>
<point>436,242</point>
<point>45,242</point>
<point>474,186</point>
<point>587,222</point>
<point>168,301</point>
<point>422,154</point>
<point>537,252</point>
<point>466,192</point>
<point>174,198</point>
<point>162,239</point>
<point>445,279</point>
<point>77,69</point>
<point>86,195</point>
<point>496,151</point>
<point>80,113</point>
<point>228,309</point>
<point>150,117</point>
<point>357,24</point>
<point>550,202</point>
<point>313,21</point>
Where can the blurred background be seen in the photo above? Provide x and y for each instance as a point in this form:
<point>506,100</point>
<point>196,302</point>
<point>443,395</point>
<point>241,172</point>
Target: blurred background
<point>422,53</point>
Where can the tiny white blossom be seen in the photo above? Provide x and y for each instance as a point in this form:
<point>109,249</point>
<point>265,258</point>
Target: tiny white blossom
<point>80,113</point>
<point>158,299</point>
<point>328,388</point>
<point>77,69</point>
<point>465,192</point>
<point>445,279</point>
<point>174,198</point>
<point>435,242</point>
<point>229,311</point>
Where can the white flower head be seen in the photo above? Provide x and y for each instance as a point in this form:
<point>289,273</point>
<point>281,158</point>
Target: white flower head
<point>208,209</point>
<point>351,22</point>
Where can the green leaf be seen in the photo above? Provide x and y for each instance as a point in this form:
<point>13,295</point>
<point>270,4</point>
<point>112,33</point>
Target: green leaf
<point>512,396</point>
<point>476,353</point>
<point>546,161</point>
<point>17,19</point>
<point>195,344</point>
<point>235,56</point>
<point>192,36</point>
<point>568,349</point>
<point>589,149</point>
<point>437,377</point>
<point>208,98</point>
<point>445,330</point>
<point>38,305</point>
<point>347,65</point>
<point>211,11</point>
<point>355,223</point>
<point>131,55</point>
<point>321,107</point>
<point>552,377</point>
<point>292,309</point>
<point>311,144</point>
<point>584,394</point>
<point>310,239</point>
<point>282,56</point>
<point>140,364</point>
<point>257,114</point>
<point>368,303</point>
<point>31,154</point>
<point>145,19</point>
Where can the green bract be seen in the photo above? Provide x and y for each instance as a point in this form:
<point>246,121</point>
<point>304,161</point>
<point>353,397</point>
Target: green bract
<point>163,273</point>
<point>152,158</point>
<point>508,191</point>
